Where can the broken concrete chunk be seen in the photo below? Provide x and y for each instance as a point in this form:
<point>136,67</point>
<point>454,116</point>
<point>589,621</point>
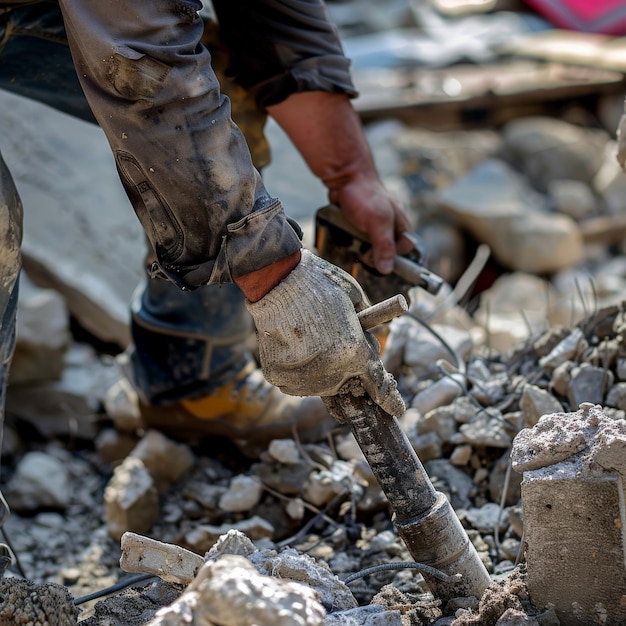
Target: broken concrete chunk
<point>573,468</point>
<point>243,494</point>
<point>461,455</point>
<point>553,439</point>
<point>562,377</point>
<point>488,517</point>
<point>548,149</point>
<point>131,500</point>
<point>286,479</point>
<point>439,393</point>
<point>295,509</point>
<point>321,487</point>
<point>464,409</point>
<point>573,198</point>
<point>232,542</point>
<point>370,615</point>
<point>589,384</point>
<point>121,404</point>
<point>42,334</point>
<point>566,350</point>
<point>229,591</point>
<point>67,407</point>
<point>284,451</point>
<point>537,402</point>
<point>114,446</point>
<point>609,446</point>
<point>40,481</point>
<point>427,446</point>
<point>452,481</point>
<point>440,420</point>
<point>166,460</point>
<point>142,555</point>
<point>201,538</point>
<point>498,207</point>
<point>487,428</point>
<point>290,564</point>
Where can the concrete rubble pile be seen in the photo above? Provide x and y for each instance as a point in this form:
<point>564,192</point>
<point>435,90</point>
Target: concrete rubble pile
<point>514,377</point>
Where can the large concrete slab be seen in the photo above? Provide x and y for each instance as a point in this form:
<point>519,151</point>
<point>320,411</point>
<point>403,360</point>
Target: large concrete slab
<point>80,233</point>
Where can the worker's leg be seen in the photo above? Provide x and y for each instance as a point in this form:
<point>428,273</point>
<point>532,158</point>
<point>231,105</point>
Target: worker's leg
<point>10,264</point>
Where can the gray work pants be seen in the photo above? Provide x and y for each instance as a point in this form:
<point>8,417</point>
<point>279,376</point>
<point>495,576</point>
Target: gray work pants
<point>10,264</point>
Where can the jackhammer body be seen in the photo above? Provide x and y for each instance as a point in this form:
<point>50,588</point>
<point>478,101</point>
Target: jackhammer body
<point>423,517</point>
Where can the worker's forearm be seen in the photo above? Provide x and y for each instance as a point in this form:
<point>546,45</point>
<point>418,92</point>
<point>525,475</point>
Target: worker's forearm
<point>328,134</point>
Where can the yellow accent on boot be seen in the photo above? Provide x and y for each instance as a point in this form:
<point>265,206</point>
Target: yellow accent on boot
<point>248,408</point>
<point>248,398</point>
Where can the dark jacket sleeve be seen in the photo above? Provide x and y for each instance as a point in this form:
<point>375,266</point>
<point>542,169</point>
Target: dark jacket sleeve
<point>284,46</point>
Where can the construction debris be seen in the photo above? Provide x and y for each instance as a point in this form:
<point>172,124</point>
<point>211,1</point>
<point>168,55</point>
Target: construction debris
<point>505,152</point>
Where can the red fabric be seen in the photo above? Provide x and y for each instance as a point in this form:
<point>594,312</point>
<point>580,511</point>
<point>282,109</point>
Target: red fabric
<point>593,16</point>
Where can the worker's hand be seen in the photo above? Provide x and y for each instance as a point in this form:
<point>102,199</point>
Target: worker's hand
<point>372,209</point>
<point>328,133</point>
<point>311,342</point>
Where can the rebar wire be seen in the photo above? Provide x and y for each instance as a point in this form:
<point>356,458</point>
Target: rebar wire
<point>466,282</point>
<point>420,567</point>
<point>581,296</point>
<point>459,363</point>
<point>316,518</point>
<point>119,586</point>
<point>520,551</point>
<point>503,495</point>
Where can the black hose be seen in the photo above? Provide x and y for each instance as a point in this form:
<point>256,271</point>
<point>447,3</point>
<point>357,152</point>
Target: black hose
<point>119,586</point>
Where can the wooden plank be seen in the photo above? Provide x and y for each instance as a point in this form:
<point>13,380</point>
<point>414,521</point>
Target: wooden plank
<point>490,94</point>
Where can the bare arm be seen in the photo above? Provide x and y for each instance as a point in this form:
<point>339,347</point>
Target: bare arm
<point>327,132</point>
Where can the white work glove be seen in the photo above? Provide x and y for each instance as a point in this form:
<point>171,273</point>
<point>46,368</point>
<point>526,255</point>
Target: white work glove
<point>311,342</point>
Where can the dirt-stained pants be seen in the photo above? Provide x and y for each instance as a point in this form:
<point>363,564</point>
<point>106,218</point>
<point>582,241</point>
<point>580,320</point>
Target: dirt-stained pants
<point>10,264</point>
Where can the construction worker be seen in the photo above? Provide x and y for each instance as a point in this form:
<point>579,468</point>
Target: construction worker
<point>223,258</point>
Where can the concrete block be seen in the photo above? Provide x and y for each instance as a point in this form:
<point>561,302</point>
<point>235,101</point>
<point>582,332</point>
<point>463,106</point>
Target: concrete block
<point>574,515</point>
<point>575,548</point>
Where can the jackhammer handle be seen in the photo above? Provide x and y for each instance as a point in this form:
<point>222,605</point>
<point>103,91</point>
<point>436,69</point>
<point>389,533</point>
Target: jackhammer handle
<point>383,312</point>
<point>417,275</point>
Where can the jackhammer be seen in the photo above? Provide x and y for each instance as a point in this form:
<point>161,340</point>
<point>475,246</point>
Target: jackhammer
<point>423,517</point>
